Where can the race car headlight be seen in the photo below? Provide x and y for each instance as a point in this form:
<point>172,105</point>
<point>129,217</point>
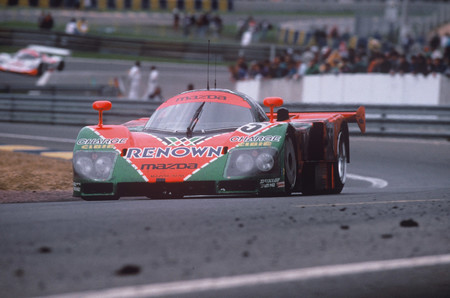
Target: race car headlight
<point>264,162</point>
<point>244,163</point>
<point>249,162</point>
<point>94,165</point>
<point>83,165</point>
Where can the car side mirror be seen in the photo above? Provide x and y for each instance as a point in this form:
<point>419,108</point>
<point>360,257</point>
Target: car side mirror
<point>100,106</point>
<point>272,102</point>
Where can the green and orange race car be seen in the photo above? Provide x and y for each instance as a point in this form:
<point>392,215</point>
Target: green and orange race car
<point>214,142</point>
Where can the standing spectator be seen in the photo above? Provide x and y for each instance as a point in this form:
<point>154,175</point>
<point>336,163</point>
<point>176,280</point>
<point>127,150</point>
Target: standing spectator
<point>360,66</point>
<point>301,69</point>
<point>242,69</point>
<point>176,18</point>
<point>216,26</point>
<point>345,66</point>
<point>47,22</point>
<point>437,66</point>
<point>153,85</point>
<point>71,27</point>
<point>435,42</point>
<point>134,75</point>
<point>202,25</point>
<point>419,65</point>
<point>403,65</point>
<point>82,26</point>
<point>384,65</point>
<point>188,22</point>
<point>313,67</point>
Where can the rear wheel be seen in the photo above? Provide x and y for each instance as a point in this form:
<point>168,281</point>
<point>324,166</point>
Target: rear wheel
<point>340,166</point>
<point>327,177</point>
<point>41,69</point>
<point>60,66</point>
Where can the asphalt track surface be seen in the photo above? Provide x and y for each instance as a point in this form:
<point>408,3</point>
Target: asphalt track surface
<point>386,235</point>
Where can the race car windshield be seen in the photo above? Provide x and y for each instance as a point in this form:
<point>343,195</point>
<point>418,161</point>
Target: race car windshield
<point>199,117</point>
<point>26,56</point>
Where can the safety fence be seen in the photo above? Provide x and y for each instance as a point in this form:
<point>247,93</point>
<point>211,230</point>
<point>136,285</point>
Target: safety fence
<point>382,120</point>
<point>189,5</point>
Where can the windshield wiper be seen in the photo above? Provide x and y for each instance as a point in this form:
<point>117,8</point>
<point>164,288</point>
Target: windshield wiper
<point>194,120</point>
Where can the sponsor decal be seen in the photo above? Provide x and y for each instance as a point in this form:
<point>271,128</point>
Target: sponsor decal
<point>77,186</point>
<point>255,139</point>
<point>174,141</point>
<point>269,183</point>
<point>177,152</point>
<point>104,141</point>
<point>169,166</point>
<point>200,97</point>
<point>97,146</point>
<point>256,144</point>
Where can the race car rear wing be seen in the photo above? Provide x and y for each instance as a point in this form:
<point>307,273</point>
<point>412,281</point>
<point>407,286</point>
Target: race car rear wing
<point>50,50</point>
<point>358,116</point>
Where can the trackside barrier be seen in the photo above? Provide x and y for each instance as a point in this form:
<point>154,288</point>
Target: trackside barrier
<point>69,110</point>
<point>31,89</point>
<point>382,120</point>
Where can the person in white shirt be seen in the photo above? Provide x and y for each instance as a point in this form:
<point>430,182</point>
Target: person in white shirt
<point>134,74</point>
<point>153,90</point>
<point>71,27</point>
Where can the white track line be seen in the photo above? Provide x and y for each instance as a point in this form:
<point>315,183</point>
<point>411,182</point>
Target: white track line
<point>39,138</point>
<point>372,203</point>
<point>44,78</point>
<point>265,278</point>
<point>376,182</point>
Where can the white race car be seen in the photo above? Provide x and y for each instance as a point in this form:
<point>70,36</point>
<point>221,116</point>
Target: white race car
<point>34,60</point>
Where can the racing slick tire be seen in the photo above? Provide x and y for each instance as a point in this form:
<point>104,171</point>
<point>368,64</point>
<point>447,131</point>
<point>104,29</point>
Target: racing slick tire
<point>100,198</point>
<point>41,69</point>
<point>61,66</point>
<point>328,177</point>
<point>290,165</point>
<point>340,166</point>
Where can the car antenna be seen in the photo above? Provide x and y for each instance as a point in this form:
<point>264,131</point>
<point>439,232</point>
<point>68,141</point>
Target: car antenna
<point>215,71</point>
<point>207,72</point>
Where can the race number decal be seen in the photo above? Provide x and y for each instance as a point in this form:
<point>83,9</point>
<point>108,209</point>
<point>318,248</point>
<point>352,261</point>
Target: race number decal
<point>252,127</point>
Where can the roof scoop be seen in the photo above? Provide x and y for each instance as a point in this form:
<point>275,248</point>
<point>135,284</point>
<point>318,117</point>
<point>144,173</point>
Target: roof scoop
<point>100,106</point>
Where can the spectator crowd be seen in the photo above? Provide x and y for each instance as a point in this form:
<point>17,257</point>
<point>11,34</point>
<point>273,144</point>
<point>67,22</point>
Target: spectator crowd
<point>331,54</point>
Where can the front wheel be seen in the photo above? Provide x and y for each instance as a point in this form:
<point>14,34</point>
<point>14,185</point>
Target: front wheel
<point>60,66</point>
<point>290,165</point>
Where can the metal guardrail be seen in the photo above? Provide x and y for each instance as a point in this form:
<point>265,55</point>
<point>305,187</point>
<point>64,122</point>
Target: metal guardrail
<point>382,120</point>
<point>58,90</point>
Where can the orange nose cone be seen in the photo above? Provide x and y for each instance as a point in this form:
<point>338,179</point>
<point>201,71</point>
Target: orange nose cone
<point>102,105</point>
